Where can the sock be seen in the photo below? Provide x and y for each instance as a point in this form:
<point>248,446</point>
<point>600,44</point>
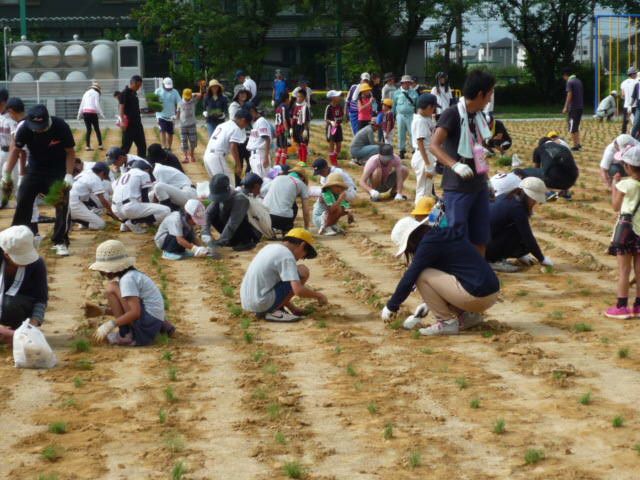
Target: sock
<point>278,153</point>
<point>622,302</point>
<point>302,152</point>
<point>333,159</point>
<point>283,157</point>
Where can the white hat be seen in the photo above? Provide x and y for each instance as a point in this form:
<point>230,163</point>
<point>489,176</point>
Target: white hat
<point>632,156</point>
<point>614,93</point>
<point>406,78</point>
<point>167,82</point>
<point>195,209</point>
<point>365,76</point>
<point>504,183</point>
<point>401,232</point>
<point>534,188</point>
<point>17,242</point>
<point>112,257</point>
<point>333,93</point>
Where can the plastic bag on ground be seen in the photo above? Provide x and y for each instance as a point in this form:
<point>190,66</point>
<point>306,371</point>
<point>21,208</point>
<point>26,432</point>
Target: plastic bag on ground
<point>202,190</point>
<point>30,348</point>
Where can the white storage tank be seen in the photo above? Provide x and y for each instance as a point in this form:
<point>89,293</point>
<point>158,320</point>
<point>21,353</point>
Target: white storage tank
<point>49,55</point>
<point>76,56</point>
<point>49,77</point>
<point>22,56</point>
<point>102,56</point>
<point>22,77</point>
<point>76,76</point>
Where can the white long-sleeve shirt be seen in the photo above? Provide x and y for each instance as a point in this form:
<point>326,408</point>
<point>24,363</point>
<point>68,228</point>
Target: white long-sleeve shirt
<point>90,103</point>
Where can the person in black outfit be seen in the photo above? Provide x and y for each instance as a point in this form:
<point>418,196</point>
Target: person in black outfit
<point>500,140</point>
<point>131,120</point>
<point>51,158</point>
<point>157,154</point>
<point>227,213</point>
<point>554,163</point>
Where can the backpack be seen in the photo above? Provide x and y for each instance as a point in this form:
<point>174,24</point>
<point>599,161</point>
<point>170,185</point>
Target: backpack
<point>259,218</point>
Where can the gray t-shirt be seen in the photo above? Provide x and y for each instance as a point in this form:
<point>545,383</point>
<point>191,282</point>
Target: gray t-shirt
<point>274,263</point>
<point>137,284</point>
<point>187,112</point>
<point>388,91</point>
<point>171,225</point>
<point>363,138</point>
<point>283,191</point>
<point>574,84</point>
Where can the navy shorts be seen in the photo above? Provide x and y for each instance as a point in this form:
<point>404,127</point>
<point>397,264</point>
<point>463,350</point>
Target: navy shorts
<point>469,212</point>
<point>282,291</point>
<point>166,126</point>
<point>574,120</point>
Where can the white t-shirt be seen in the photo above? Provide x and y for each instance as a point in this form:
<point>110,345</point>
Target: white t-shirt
<point>421,127</point>
<point>224,135</point>
<point>607,156</point>
<point>283,191</point>
<point>274,263</point>
<point>444,98</point>
<point>250,85</point>
<point>130,185</point>
<point>259,131</point>
<point>345,177</point>
<point>171,225</point>
<point>171,176</point>
<point>86,184</point>
<point>137,284</point>
<point>504,183</point>
<point>627,87</point>
<point>7,126</point>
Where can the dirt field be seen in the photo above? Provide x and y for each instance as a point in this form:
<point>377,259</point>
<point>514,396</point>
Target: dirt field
<point>341,395</point>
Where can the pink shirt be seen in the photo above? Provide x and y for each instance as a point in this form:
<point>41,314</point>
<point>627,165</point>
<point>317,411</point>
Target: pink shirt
<point>365,111</point>
<point>374,163</point>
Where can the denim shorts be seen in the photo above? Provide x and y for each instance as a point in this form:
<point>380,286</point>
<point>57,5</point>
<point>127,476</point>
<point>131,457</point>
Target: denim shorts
<point>282,291</point>
<point>166,126</point>
<point>469,212</point>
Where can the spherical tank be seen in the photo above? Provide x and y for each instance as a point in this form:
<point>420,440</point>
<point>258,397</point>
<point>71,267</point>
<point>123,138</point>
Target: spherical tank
<point>75,56</point>
<point>22,56</point>
<point>49,56</point>
<point>76,76</point>
<point>102,60</point>
<point>22,77</point>
<point>49,77</point>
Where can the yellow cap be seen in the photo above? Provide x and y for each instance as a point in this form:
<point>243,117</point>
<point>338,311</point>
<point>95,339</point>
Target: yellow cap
<point>187,93</point>
<point>424,206</point>
<point>552,134</point>
<point>365,88</point>
<point>388,102</point>
<point>305,235</point>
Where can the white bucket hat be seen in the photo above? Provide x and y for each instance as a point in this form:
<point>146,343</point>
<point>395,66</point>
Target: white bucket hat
<point>406,78</point>
<point>17,242</point>
<point>534,188</point>
<point>196,210</point>
<point>333,93</point>
<point>167,82</point>
<point>365,76</point>
<point>401,232</point>
<point>112,257</point>
<point>632,156</point>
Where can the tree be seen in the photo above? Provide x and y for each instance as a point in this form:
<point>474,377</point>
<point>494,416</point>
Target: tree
<point>548,30</point>
<point>450,16</point>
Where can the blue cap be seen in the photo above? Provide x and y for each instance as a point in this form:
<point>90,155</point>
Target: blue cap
<point>241,73</point>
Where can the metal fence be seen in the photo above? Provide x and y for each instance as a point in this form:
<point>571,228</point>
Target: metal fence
<point>62,98</point>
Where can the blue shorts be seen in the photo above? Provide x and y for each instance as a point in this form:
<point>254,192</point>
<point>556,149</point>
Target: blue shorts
<point>282,291</point>
<point>469,212</point>
<point>166,126</point>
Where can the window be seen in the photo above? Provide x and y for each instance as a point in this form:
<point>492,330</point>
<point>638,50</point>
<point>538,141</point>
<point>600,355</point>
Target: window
<point>128,56</point>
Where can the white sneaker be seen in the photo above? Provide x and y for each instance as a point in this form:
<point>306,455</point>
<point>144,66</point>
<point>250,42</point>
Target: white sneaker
<point>330,231</point>
<point>515,160</point>
<point>443,327</point>
<point>469,319</point>
<point>281,316</point>
<point>504,267</point>
<point>123,227</point>
<point>62,250</point>
<point>135,228</point>
<point>411,322</point>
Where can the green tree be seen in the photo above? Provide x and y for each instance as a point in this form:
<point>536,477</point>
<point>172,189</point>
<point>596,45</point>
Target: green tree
<point>450,16</point>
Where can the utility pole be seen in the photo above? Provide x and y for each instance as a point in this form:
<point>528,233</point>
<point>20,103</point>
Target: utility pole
<point>339,43</point>
<point>23,18</point>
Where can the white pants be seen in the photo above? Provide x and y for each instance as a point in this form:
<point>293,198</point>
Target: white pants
<point>351,194</point>
<point>389,137</point>
<point>177,196</point>
<point>256,163</point>
<point>424,182</point>
<point>79,211</point>
<point>216,162</point>
<point>135,209</point>
<point>4,156</point>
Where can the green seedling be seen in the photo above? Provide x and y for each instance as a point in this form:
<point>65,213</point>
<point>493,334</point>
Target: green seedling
<point>178,471</point>
<point>51,476</point>
<point>585,399</point>
<point>259,394</point>
<point>273,410</point>
<point>163,339</point>
<point>309,310</point>
<point>522,293</point>
<point>78,382</point>
<point>416,335</point>
<point>585,292</point>
<point>271,369</point>
<point>85,364</point>
<point>396,324</point>
<point>351,371</point>
<point>245,322</point>
<point>559,375</point>
<point>557,314</point>
<point>388,431</point>
<point>169,394</point>
<point>257,356</point>
<point>372,408</point>
<point>172,373</point>
<point>538,304</point>
<point>338,349</point>
<point>329,340</point>
<point>475,403</point>
<point>499,426</point>
<point>415,459</point>
<point>280,438</point>
<point>617,422</point>
<point>548,269</point>
<point>582,327</point>
<point>81,345</point>
<point>69,402</point>
<point>322,324</point>
<point>174,441</point>
<point>248,337</point>
<point>623,352</point>
<point>235,310</point>
<point>52,453</point>
<point>228,291</point>
<point>293,470</point>
<point>487,333</point>
<point>162,416</point>
<point>604,340</point>
<point>426,351</point>
<point>167,356</point>
<point>58,428</point>
<point>462,382</point>
<point>636,447</point>
<point>533,455</point>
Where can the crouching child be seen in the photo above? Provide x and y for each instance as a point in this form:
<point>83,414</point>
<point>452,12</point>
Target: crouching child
<point>176,236</point>
<point>331,206</point>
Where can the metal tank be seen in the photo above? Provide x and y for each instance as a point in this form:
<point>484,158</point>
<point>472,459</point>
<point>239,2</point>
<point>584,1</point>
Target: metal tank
<point>102,59</point>
<point>49,55</point>
<point>22,56</point>
<point>75,55</point>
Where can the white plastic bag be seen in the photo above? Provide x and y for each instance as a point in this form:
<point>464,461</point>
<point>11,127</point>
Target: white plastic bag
<point>202,190</point>
<point>30,348</point>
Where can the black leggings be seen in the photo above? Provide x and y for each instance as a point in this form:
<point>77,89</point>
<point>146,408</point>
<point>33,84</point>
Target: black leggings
<point>91,120</point>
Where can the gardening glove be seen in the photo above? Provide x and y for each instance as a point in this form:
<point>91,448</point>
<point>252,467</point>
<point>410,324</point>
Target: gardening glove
<point>387,314</point>
<point>422,311</point>
<point>527,260</point>
<point>103,330</point>
<point>374,194</point>
<point>199,251</point>
<point>462,170</point>
<point>173,118</point>
<point>273,103</point>
<point>205,238</point>
<point>399,197</point>
<point>68,179</point>
<point>6,178</point>
<point>547,262</point>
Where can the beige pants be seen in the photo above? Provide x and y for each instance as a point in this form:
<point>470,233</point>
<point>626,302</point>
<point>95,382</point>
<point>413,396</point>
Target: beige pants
<point>447,298</point>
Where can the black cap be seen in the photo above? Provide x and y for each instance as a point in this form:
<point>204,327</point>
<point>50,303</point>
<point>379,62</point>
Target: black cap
<point>318,165</point>
<point>113,154</point>
<point>38,118</point>
<point>155,152</point>
<point>388,76</point>
<point>219,188</point>
<point>386,152</point>
<point>4,94</point>
<point>250,106</point>
<point>251,180</point>
<point>16,104</point>
<point>142,165</point>
<point>426,99</point>
<point>100,167</point>
<point>243,113</point>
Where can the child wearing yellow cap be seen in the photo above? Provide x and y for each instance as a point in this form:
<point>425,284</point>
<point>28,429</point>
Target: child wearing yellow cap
<point>186,115</point>
<point>387,121</point>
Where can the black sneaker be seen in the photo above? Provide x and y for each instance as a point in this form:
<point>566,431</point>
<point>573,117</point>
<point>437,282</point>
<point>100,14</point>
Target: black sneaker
<point>244,247</point>
<point>577,148</point>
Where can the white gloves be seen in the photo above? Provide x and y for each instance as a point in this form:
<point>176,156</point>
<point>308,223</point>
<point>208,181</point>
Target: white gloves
<point>103,330</point>
<point>374,194</point>
<point>547,262</point>
<point>422,311</point>
<point>204,114</point>
<point>527,260</point>
<point>173,118</point>
<point>399,197</point>
<point>68,179</point>
<point>462,170</point>
<point>387,314</point>
<point>205,238</point>
<point>6,177</point>
<point>273,103</point>
<point>199,251</point>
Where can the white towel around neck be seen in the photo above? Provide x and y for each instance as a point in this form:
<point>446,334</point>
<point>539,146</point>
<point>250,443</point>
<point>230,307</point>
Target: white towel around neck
<point>465,146</point>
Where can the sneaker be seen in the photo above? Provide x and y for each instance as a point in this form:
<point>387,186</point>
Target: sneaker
<point>469,319</point>
<point>186,160</point>
<point>100,147</point>
<point>411,322</point>
<point>353,161</point>
<point>504,267</point>
<point>515,161</point>
<point>171,256</point>
<point>62,250</point>
<point>329,232</point>
<point>302,164</point>
<point>134,227</point>
<point>577,148</point>
<point>551,196</point>
<point>621,313</point>
<point>193,159</point>
<point>443,327</point>
<point>88,149</point>
<point>280,316</point>
<point>568,195</point>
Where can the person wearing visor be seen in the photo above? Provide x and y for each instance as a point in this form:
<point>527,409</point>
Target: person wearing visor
<point>274,278</point>
<point>51,158</point>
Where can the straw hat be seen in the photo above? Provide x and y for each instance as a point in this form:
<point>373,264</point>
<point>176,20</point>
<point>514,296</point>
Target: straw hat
<point>424,206</point>
<point>17,242</point>
<point>401,232</point>
<point>335,180</point>
<point>112,257</point>
<point>216,83</point>
<point>534,188</point>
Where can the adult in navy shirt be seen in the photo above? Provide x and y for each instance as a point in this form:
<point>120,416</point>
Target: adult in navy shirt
<point>279,88</point>
<point>454,280</point>
<point>51,158</point>
<point>574,105</point>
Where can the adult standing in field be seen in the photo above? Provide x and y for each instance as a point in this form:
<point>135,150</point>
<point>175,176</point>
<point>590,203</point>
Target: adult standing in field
<point>274,278</point>
<point>280,88</point>
<point>442,91</point>
<point>574,105</point>
<point>89,110</point>
<point>352,101</point>
<point>215,106</point>
<point>627,88</point>
<point>389,88</point>
<point>247,83</point>
<point>404,106</point>
<point>130,120</point>
<point>51,158</point>
<point>170,98</point>
<point>457,144</point>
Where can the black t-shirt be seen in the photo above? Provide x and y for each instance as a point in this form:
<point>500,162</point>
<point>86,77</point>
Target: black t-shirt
<point>47,155</point>
<point>558,166</point>
<point>450,121</point>
<point>129,98</point>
